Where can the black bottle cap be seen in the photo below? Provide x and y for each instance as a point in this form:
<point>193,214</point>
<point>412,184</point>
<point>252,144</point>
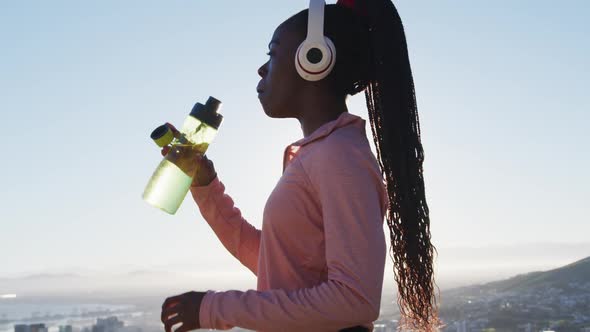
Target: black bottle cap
<point>208,113</point>
<point>197,109</point>
<point>213,104</point>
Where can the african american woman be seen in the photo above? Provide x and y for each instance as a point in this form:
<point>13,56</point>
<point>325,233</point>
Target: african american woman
<point>320,255</point>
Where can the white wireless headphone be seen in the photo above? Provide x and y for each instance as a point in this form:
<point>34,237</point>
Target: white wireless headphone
<point>316,56</point>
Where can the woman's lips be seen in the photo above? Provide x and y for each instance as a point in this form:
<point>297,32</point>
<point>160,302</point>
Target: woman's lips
<point>259,88</point>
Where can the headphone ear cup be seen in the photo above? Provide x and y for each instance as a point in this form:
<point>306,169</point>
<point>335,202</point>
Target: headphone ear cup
<point>332,50</point>
<point>314,61</point>
<point>299,62</point>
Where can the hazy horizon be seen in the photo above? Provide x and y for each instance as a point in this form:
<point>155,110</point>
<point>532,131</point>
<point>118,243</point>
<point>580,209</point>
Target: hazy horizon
<point>455,267</point>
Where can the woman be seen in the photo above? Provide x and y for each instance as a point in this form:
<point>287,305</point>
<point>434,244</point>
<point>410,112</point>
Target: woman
<point>320,255</point>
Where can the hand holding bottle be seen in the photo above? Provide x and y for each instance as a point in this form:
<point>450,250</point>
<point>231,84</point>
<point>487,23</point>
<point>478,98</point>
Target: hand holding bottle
<point>205,169</point>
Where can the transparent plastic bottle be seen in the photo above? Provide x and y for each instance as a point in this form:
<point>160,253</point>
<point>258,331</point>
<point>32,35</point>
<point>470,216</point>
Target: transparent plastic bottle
<point>171,181</point>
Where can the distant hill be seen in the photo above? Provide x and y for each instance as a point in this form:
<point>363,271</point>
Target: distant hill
<point>568,277</point>
<point>557,300</point>
<point>577,272</point>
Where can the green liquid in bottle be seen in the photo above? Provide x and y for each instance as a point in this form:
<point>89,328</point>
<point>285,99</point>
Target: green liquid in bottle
<point>172,179</point>
<point>168,188</point>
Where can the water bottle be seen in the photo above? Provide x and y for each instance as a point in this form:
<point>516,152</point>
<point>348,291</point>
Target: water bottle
<point>172,179</point>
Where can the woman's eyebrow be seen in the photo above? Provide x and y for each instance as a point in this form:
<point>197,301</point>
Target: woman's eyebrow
<point>274,41</point>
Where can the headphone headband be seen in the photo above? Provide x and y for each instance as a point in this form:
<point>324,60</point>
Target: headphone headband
<point>315,22</point>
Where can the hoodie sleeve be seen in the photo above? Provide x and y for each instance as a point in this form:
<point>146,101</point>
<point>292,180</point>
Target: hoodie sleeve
<point>349,189</point>
<point>239,237</point>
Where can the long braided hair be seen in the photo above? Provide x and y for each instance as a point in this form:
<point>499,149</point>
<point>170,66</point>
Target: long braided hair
<point>372,56</point>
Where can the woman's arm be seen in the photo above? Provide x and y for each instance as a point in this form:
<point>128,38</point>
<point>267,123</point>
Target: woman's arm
<point>239,237</point>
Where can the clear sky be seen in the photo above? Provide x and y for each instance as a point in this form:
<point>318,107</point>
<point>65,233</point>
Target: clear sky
<point>502,91</point>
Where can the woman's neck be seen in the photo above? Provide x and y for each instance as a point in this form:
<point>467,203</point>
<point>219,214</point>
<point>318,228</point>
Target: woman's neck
<point>318,111</point>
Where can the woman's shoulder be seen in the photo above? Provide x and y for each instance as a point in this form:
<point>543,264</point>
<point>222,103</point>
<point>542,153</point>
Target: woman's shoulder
<point>344,140</point>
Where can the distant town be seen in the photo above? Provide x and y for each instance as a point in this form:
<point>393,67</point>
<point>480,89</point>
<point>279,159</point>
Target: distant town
<point>540,309</point>
<point>109,324</point>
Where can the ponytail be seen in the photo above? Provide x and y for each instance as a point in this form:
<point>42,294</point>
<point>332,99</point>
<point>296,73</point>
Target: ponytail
<point>393,114</point>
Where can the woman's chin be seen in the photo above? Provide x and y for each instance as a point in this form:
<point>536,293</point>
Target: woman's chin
<point>266,109</point>
<point>272,112</point>
<point>269,113</point>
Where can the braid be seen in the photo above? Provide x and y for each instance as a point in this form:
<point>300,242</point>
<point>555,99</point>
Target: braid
<point>393,114</point>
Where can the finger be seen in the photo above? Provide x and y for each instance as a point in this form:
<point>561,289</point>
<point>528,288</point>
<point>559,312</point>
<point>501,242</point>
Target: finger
<point>182,328</point>
<point>168,327</point>
<point>172,321</point>
<point>169,311</point>
<point>170,304</point>
<point>165,150</point>
<point>205,160</point>
<point>171,300</point>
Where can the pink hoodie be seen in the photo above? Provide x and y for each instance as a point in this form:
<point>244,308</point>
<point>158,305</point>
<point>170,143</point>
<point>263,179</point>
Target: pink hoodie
<point>320,255</point>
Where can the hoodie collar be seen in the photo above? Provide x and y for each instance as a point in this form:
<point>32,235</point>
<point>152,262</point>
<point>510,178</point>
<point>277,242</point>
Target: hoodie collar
<point>344,119</point>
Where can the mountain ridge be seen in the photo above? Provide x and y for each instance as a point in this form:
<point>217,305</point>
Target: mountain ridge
<point>577,272</point>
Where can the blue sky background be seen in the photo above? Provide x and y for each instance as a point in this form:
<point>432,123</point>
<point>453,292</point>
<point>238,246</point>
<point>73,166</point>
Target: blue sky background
<point>502,91</point>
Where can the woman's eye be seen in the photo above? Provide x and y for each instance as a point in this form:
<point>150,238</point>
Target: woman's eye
<point>270,53</point>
